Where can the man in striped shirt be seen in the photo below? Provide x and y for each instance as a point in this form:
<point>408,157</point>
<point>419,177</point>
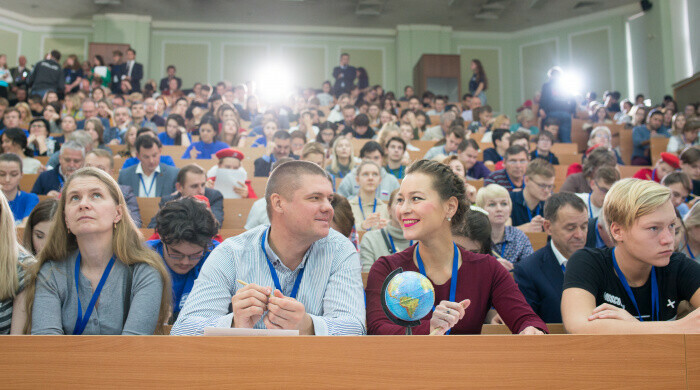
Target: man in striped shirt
<point>299,274</point>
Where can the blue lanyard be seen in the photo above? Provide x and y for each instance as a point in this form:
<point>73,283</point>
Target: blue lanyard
<point>393,247</point>
<point>628,289</point>
<point>563,268</point>
<point>503,248</point>
<point>374,208</point>
<point>598,238</point>
<point>393,172</point>
<point>590,210</point>
<point>529,212</point>
<point>81,321</point>
<point>692,256</point>
<point>143,183</point>
<point>275,278</point>
<point>653,175</point>
<point>512,186</point>
<point>333,177</point>
<point>455,270</point>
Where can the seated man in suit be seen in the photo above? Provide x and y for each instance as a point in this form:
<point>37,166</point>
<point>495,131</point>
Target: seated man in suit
<point>298,273</point>
<point>540,276</point>
<point>282,148</point>
<point>71,158</point>
<point>191,181</point>
<point>149,178</point>
<point>90,111</point>
<point>171,75</point>
<point>101,159</point>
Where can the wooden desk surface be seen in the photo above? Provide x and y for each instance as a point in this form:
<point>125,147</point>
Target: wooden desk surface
<point>516,362</point>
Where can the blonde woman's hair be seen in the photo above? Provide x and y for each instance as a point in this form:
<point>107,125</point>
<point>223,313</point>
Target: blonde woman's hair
<point>629,199</point>
<point>127,244</point>
<point>385,131</point>
<point>489,192</point>
<point>693,217</point>
<point>9,280</point>
<point>335,166</point>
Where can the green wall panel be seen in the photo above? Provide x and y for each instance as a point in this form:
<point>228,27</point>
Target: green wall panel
<point>8,46</point>
<point>590,57</point>
<point>242,61</point>
<point>66,46</point>
<point>306,64</point>
<point>489,60</point>
<point>191,60</point>
<point>536,59</point>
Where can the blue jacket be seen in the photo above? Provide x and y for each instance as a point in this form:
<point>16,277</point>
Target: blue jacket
<point>540,279</point>
<point>47,181</point>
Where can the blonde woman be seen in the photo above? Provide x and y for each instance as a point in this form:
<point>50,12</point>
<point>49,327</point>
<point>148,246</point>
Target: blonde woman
<point>25,115</point>
<point>634,287</point>
<point>95,251</point>
<point>508,242</point>
<point>342,158</point>
<point>13,280</point>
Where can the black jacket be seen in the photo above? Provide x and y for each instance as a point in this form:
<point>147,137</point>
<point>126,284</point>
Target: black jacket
<point>47,75</point>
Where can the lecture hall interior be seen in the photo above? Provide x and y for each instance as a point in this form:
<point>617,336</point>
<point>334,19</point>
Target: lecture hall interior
<point>350,194</point>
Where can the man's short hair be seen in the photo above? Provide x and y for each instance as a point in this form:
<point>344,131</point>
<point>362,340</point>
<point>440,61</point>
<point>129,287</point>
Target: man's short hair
<point>189,168</point>
<point>690,156</point>
<point>186,220</point>
<point>56,55</point>
<point>457,131</point>
<point>361,120</point>
<point>396,139</point>
<point>171,67</point>
<point>146,142</point>
<point>72,145</point>
<point>540,167</point>
<point>608,174</point>
<point>131,49</point>
<point>286,178</point>
<point>559,200</point>
<point>678,177</point>
<point>468,143</point>
<point>371,146</point>
<point>515,149</point>
<point>349,107</point>
<point>103,154</point>
<point>498,135</point>
<point>552,122</point>
<point>282,135</point>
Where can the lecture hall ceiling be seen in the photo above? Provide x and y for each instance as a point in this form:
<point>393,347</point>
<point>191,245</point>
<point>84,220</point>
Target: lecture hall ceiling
<point>493,15</point>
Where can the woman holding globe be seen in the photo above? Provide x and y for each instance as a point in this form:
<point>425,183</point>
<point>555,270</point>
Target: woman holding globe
<point>431,200</point>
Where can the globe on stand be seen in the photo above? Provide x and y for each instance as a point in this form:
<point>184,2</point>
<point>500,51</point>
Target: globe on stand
<point>407,297</point>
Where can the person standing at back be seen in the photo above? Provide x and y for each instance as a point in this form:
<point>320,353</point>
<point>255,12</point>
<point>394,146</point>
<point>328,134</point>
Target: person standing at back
<point>47,75</point>
<point>344,75</point>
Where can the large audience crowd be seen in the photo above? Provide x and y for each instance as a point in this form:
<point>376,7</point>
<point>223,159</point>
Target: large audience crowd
<point>359,180</point>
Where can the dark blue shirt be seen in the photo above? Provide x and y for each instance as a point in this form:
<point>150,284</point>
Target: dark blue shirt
<point>182,284</point>
<point>491,154</point>
<point>478,171</point>
<point>521,214</point>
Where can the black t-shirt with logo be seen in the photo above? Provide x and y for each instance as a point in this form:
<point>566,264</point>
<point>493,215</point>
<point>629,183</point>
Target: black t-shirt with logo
<point>592,270</point>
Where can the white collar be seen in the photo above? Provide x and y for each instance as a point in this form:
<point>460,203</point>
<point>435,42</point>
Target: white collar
<point>560,258</point>
<point>139,170</point>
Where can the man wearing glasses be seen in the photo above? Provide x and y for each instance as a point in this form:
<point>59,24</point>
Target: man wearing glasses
<point>603,178</point>
<point>512,175</point>
<point>528,204</point>
<point>186,227</point>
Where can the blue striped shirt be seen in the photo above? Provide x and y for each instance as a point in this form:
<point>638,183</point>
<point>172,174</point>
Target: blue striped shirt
<point>331,288</point>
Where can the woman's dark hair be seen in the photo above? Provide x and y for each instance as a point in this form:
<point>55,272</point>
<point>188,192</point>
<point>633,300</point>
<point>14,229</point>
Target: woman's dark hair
<point>324,126</point>
<point>446,183</point>
<point>210,120</point>
<point>17,136</point>
<point>180,123</point>
<point>186,220</point>
<point>342,217</point>
<point>43,211</point>
<point>44,121</point>
<point>100,59</point>
<point>597,158</point>
<point>362,78</point>
<point>477,228</point>
<point>480,74</point>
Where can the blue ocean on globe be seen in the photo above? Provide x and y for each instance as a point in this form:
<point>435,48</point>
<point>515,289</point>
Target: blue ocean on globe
<point>410,296</point>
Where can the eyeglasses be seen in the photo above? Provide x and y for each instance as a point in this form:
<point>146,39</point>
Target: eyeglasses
<point>602,189</point>
<point>179,256</point>
<point>546,187</point>
<point>520,162</point>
